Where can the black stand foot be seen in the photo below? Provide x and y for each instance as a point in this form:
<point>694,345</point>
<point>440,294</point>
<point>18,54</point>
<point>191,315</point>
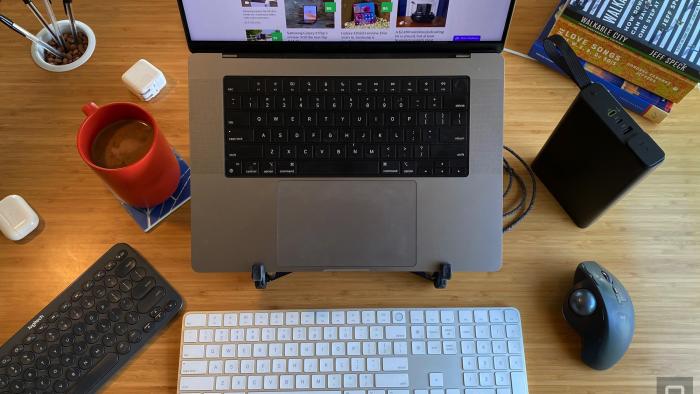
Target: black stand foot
<point>261,277</point>
<point>439,278</point>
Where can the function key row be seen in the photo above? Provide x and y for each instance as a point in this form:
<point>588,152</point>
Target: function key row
<point>377,85</point>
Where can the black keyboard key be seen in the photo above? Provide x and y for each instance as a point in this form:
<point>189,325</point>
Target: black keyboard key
<point>426,118</point>
<point>296,136</point>
<point>421,151</point>
<point>408,119</point>
<point>345,135</point>
<point>259,120</point>
<point>375,86</point>
<point>322,152</point>
<point>379,135</point>
<point>388,152</point>
<point>325,86</point>
<point>459,118</point>
<point>257,85</point>
<point>396,135</point>
<point>376,119</point>
<point>288,152</point>
<point>453,134</point>
<point>306,152</point>
<point>452,151</point>
<point>392,85</point>
<point>426,85</point>
<point>338,168</point>
<point>417,102</point>
<point>151,299</point>
<point>392,119</point>
<point>362,135</point>
<point>325,119</point>
<point>390,168</point>
<point>290,85</point>
<point>458,171</point>
<point>308,85</point>
<point>455,102</point>
<point>250,102</point>
<point>337,152</point>
<point>409,85</point>
<point>342,86</point>
<point>384,103</point>
<point>89,381</point>
<point>236,85</point>
<point>371,152</point>
<point>275,119</point>
<point>460,86</point>
<point>408,167</point>
<point>239,135</point>
<point>237,119</point>
<point>430,135</point>
<point>291,119</point>
<point>354,151</point>
<point>277,136</point>
<point>237,152</point>
<point>313,135</point>
<point>286,168</point>
<point>233,101</point>
<point>330,135</point>
<point>443,85</point>
<point>261,135</point>
<point>359,86</point>
<point>251,168</point>
<point>404,151</point>
<point>359,119</point>
<point>442,118</point>
<point>366,103</point>
<point>401,103</point>
<point>342,119</point>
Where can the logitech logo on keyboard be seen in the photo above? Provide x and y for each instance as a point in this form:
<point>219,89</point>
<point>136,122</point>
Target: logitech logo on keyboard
<point>35,322</point>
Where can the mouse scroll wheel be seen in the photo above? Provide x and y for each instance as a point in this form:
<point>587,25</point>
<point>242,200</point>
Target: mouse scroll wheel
<point>606,276</point>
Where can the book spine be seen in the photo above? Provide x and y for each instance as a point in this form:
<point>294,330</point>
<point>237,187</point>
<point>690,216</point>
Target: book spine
<point>610,31</point>
<point>654,109</point>
<point>611,57</point>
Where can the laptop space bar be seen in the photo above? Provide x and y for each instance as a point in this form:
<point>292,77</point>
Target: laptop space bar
<point>318,168</point>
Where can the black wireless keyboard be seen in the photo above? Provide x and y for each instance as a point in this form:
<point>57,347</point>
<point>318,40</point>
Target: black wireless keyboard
<point>87,333</point>
<point>346,126</point>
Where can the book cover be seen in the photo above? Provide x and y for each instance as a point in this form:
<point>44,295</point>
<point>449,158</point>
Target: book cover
<point>666,32</point>
<point>632,97</point>
<point>633,68</point>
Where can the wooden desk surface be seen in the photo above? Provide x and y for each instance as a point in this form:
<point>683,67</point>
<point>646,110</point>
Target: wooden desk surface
<point>650,240</point>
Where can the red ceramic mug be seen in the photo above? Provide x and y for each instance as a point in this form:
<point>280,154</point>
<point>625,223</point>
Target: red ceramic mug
<point>145,183</point>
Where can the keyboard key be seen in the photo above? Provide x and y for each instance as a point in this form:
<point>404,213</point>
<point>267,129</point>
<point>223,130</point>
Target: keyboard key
<point>196,383</point>
<point>391,380</point>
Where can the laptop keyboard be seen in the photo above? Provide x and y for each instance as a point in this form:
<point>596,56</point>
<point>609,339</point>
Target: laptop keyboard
<point>346,126</point>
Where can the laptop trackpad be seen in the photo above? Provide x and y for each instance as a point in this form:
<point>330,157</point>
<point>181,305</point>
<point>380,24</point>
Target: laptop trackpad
<point>346,224</point>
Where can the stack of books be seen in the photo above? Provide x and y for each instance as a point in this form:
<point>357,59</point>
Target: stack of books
<point>645,52</point>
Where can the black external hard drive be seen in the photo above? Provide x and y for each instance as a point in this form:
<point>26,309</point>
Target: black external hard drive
<point>596,154</point>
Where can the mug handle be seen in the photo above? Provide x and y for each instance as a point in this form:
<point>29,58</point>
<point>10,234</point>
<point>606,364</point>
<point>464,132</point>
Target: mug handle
<point>90,108</point>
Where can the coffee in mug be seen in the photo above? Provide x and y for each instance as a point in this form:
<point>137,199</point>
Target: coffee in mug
<point>121,143</point>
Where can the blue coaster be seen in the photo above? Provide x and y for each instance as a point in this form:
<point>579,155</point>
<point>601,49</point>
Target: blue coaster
<point>148,218</point>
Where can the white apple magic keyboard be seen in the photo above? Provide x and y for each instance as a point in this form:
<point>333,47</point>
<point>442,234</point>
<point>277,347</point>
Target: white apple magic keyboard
<point>359,351</point>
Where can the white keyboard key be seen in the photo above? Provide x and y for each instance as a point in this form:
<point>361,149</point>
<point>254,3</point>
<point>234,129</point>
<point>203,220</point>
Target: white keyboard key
<point>216,367</point>
<point>279,365</point>
<point>496,316</point>
<point>374,364</point>
<point>261,319</point>
<point>498,331</point>
<point>338,348</point>
<point>291,349</point>
<point>466,332</point>
<point>284,334</point>
<point>308,318</point>
<point>195,320</point>
<point>468,347</point>
<point>418,347</point>
<point>518,381</point>
<point>292,318</point>
<point>195,383</point>
<point>286,382</point>
<point>368,317</point>
<point>238,382</point>
<point>323,349</point>
<point>452,391</point>
<point>270,382</point>
<point>396,332</point>
<point>417,332</point>
<point>255,382</point>
<point>221,335</point>
<point>353,317</point>
<point>215,320</point>
<point>231,366</point>
<point>366,380</point>
<point>244,350</point>
<point>245,319</point>
<point>376,332</point>
<point>334,381</point>
<point>369,348</point>
<point>483,347</point>
<point>295,365</point>
<point>237,335</point>
<point>502,379</point>
<point>481,316</point>
<point>469,363</point>
<point>315,334</point>
<point>190,336</point>
<point>398,317</point>
<point>213,351</point>
<point>310,365</point>
<point>276,350</point>
<point>383,317</point>
<point>326,365</point>
<point>230,319</point>
<point>354,349</point>
<point>398,391</point>
<point>436,379</point>
<point>434,347</point>
<point>345,333</point>
<point>433,332</point>
<point>252,334</point>
<point>483,332</point>
<point>512,316</point>
<point>486,379</point>
<point>432,317</point>
<point>391,380</point>
<point>307,349</point>
<point>437,391</point>
<point>449,347</point>
<point>482,391</point>
<point>466,317</point>
<point>471,379</point>
<point>323,318</point>
<point>193,367</point>
<point>500,362</point>
<point>448,332</point>
<point>513,331</point>
<point>417,317</point>
<point>447,317</point>
<point>338,317</point>
<point>516,362</point>
<point>362,332</point>
<point>193,351</point>
<point>350,380</point>
<point>247,366</point>
<point>385,348</point>
<point>318,381</point>
<point>330,333</point>
<point>276,319</point>
<point>392,364</point>
<point>357,364</point>
<point>420,391</point>
<point>400,348</point>
<point>499,347</point>
<point>268,334</point>
<point>206,335</point>
<point>342,364</point>
<point>223,382</point>
<point>514,347</point>
<point>262,366</point>
<point>485,363</point>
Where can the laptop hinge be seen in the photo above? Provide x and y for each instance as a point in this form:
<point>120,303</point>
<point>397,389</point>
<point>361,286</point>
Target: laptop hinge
<point>464,55</point>
<point>345,55</point>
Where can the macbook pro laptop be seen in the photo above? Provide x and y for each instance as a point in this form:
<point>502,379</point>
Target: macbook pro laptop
<point>338,148</point>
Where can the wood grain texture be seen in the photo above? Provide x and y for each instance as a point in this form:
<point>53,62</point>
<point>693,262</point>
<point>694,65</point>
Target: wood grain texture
<point>650,240</point>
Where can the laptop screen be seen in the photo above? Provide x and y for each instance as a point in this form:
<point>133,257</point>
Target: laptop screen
<point>346,21</point>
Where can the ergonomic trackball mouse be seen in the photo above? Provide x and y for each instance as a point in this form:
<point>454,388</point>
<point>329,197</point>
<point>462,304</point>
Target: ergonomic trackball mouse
<point>599,308</point>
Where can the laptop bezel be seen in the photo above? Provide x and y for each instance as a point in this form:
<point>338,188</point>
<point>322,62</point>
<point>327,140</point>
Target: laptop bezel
<point>388,47</point>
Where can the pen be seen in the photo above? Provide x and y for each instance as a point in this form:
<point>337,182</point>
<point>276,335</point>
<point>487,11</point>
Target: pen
<point>41,19</point>
<point>68,7</point>
<point>31,37</point>
<point>54,22</point>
